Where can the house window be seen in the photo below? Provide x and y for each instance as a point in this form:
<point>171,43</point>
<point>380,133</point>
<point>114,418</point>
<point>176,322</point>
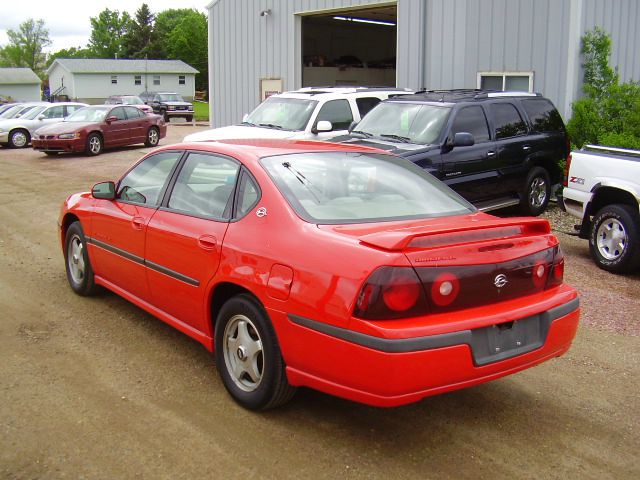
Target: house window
<point>181,80</point>
<point>114,79</point>
<point>506,81</point>
<point>156,79</point>
<point>137,80</point>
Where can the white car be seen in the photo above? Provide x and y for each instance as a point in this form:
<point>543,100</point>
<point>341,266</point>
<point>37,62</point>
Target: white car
<point>17,132</point>
<point>309,113</point>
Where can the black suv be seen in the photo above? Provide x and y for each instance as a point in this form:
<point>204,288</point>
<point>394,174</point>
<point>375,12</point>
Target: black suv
<point>496,149</point>
<point>168,105</point>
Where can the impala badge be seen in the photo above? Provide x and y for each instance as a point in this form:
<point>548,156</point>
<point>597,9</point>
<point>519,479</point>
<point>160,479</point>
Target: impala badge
<point>500,280</point>
<point>261,212</point>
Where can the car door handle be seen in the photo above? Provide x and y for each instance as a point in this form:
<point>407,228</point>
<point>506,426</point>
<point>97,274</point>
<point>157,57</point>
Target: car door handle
<point>207,242</point>
<point>491,153</point>
<point>526,147</point>
<point>138,222</point>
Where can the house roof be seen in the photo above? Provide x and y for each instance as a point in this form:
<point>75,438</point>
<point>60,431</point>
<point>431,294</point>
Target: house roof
<point>14,76</point>
<point>102,65</point>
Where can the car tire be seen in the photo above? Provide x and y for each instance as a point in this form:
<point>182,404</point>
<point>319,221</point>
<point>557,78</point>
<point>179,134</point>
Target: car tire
<point>153,137</point>
<point>94,144</point>
<point>164,115</point>
<point>77,263</point>
<point>248,357</point>
<point>19,138</point>
<point>614,239</point>
<point>537,192</point>
<point>51,154</point>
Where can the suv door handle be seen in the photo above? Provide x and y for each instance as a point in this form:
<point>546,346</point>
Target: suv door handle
<point>490,153</point>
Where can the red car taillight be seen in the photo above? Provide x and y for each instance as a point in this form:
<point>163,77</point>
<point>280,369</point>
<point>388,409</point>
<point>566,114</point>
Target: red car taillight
<point>567,165</point>
<point>556,273</point>
<point>391,292</point>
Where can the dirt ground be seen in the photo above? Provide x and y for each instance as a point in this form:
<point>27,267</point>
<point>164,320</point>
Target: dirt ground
<point>94,388</point>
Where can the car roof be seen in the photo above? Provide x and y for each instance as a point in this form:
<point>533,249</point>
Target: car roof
<point>258,148</point>
<point>342,92</point>
<point>460,95</point>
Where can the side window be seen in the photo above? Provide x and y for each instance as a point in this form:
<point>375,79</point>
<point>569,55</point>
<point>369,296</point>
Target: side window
<point>54,112</point>
<point>473,121</point>
<point>72,108</point>
<point>507,120</point>
<point>248,195</point>
<point>365,104</point>
<point>144,183</point>
<point>543,115</point>
<point>118,112</point>
<point>133,112</point>
<point>338,112</point>
<point>205,186</point>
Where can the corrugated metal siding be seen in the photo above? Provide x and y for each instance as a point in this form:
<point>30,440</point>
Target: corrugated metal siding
<point>411,45</point>
<point>245,47</point>
<point>621,19</point>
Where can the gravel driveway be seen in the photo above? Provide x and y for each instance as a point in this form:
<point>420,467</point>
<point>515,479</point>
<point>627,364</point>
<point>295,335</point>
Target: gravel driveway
<point>95,388</point>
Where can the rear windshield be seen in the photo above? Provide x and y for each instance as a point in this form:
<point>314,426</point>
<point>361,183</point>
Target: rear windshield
<point>543,115</point>
<point>353,187</point>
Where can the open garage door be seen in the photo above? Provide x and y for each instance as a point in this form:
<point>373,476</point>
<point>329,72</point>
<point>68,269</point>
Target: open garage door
<point>350,47</point>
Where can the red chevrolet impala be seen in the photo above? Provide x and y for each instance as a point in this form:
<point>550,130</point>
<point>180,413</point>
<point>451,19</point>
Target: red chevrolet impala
<point>92,129</point>
<point>329,266</point>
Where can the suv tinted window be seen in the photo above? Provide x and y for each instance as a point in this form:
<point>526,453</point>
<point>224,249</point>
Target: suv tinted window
<point>365,104</point>
<point>507,121</point>
<point>471,120</point>
<point>543,115</point>
<point>338,112</point>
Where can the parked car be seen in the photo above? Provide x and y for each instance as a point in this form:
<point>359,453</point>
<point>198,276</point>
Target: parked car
<point>168,105</point>
<point>602,189</point>
<point>17,132</point>
<point>335,267</point>
<point>129,100</point>
<point>6,106</point>
<point>496,149</point>
<point>20,109</point>
<point>313,113</point>
<point>91,129</point>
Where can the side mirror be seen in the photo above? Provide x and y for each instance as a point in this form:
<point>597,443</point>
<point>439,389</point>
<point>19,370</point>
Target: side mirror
<point>41,117</point>
<point>112,118</point>
<point>104,191</point>
<point>463,139</point>
<point>352,125</point>
<point>323,126</point>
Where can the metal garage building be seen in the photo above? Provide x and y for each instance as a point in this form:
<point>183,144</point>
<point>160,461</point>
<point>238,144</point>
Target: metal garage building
<point>257,47</point>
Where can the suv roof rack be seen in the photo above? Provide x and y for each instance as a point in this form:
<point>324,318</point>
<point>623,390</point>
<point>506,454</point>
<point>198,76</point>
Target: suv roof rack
<point>462,94</point>
<point>345,89</point>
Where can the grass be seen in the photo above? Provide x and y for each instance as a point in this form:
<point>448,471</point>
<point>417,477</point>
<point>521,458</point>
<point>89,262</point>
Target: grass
<point>201,111</point>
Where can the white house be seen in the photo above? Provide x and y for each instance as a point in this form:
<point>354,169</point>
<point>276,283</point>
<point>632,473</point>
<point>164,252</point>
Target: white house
<point>93,80</point>
<point>20,84</point>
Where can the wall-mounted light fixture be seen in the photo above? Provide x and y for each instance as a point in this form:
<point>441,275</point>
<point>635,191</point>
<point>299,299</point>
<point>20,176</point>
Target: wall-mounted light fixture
<point>365,20</point>
<point>265,13</point>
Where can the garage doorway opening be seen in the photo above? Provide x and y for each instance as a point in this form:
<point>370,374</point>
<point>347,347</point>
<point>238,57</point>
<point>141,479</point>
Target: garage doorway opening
<point>354,47</point>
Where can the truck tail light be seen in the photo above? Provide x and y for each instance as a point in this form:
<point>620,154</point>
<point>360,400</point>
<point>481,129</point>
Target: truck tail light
<point>567,165</point>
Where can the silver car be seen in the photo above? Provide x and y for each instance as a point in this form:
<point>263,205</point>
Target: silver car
<point>17,132</point>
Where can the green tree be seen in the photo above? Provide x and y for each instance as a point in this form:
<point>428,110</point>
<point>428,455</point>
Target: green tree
<point>108,30</point>
<point>26,45</point>
<point>71,52</point>
<point>188,42</point>
<point>609,112</point>
<point>139,41</point>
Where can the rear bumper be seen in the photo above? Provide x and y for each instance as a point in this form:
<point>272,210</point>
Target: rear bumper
<point>390,372</point>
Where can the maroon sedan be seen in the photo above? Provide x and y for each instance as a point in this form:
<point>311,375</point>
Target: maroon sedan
<point>91,129</point>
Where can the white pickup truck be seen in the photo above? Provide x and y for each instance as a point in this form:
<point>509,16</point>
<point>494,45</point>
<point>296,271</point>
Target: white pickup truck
<point>602,188</point>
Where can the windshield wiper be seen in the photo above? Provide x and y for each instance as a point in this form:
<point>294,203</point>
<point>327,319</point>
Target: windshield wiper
<point>303,180</point>
<point>249,124</point>
<point>360,132</point>
<point>396,137</point>
<point>270,125</point>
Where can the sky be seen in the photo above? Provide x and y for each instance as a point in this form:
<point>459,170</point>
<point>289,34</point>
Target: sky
<point>68,21</point>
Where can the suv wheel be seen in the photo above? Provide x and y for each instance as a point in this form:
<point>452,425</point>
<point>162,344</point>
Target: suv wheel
<point>537,191</point>
<point>164,115</point>
<point>614,239</point>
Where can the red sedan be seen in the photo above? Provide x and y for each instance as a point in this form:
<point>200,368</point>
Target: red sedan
<point>92,129</point>
<point>329,266</point>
